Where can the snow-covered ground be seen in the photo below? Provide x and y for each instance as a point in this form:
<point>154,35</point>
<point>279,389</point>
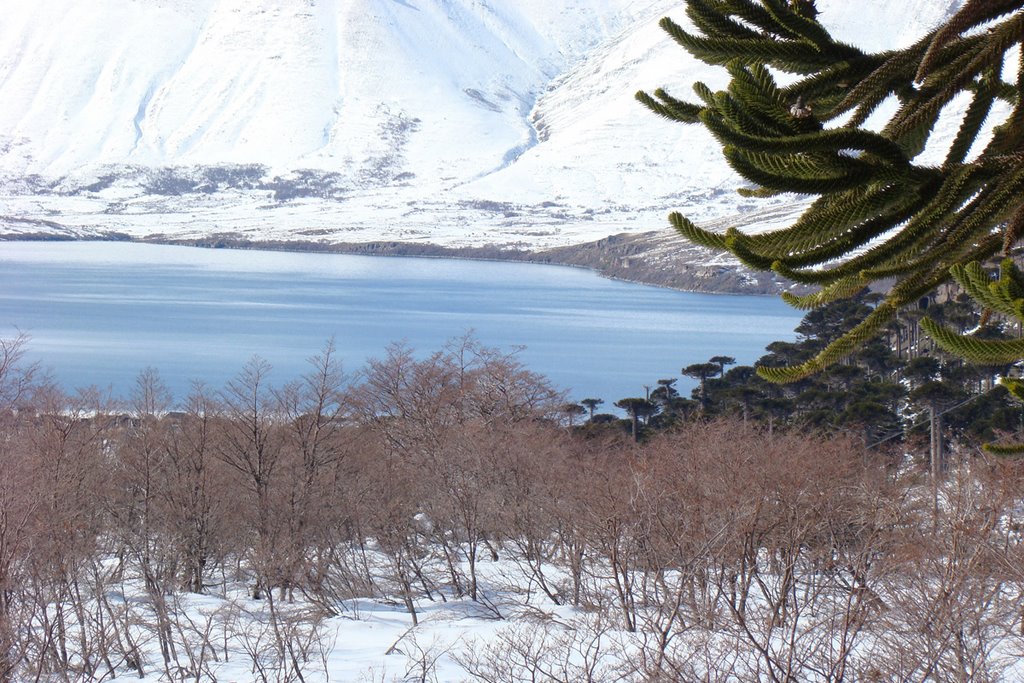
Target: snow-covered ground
<point>227,636</point>
<point>514,633</point>
<point>462,123</point>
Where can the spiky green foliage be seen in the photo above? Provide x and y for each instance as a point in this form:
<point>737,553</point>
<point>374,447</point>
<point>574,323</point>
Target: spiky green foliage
<point>879,212</point>
<point>1015,387</point>
<point>1003,295</point>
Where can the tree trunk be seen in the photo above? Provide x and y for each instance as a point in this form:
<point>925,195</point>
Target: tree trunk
<point>937,454</point>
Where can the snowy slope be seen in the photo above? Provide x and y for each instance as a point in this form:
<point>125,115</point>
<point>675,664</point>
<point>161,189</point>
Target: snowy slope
<point>213,81</point>
<point>459,122</point>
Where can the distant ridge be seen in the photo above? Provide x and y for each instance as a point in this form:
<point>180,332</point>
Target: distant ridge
<point>469,123</point>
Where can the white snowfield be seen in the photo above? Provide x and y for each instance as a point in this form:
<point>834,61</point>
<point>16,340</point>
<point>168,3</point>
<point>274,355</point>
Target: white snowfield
<point>455,122</point>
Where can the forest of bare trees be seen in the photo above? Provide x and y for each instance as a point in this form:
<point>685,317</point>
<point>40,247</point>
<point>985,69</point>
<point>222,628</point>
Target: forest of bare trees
<point>711,552</point>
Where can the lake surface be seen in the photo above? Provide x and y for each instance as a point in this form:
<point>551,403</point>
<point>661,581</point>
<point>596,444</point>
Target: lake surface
<point>100,312</point>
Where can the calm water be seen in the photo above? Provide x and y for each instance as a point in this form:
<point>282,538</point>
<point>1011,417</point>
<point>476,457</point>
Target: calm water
<point>98,313</point>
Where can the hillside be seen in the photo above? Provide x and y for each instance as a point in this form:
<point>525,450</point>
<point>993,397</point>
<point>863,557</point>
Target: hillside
<point>467,123</point>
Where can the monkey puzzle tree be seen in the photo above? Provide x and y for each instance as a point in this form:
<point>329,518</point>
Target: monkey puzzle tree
<point>722,361</point>
<point>701,371</point>
<point>1005,296</point>
<point>880,212</point>
<point>638,408</point>
<point>591,405</point>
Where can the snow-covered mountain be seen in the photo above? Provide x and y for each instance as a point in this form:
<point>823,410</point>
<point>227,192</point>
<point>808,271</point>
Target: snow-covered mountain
<point>455,122</point>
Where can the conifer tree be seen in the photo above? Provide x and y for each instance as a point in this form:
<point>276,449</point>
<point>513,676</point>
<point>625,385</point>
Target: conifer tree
<point>591,404</point>
<point>1004,296</point>
<point>637,408</point>
<point>701,371</point>
<point>879,211</point>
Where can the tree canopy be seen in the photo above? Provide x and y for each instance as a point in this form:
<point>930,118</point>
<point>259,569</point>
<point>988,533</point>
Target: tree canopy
<point>881,211</point>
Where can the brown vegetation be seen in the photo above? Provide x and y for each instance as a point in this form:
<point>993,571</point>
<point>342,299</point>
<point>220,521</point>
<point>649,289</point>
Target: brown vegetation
<point>717,552</point>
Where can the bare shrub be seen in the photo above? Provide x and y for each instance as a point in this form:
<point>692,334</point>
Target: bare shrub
<point>65,450</point>
<point>198,501</point>
<point>282,645</point>
<point>952,584</point>
<point>716,552</point>
<point>585,652</point>
<point>422,655</point>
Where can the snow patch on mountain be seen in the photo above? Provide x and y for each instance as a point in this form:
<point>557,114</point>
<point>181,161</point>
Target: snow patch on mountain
<point>456,122</point>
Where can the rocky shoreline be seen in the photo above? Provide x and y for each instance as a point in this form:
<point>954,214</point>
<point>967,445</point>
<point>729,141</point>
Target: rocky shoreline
<point>660,258</point>
<point>653,258</point>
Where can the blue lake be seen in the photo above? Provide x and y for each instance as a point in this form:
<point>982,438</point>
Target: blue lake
<point>98,313</point>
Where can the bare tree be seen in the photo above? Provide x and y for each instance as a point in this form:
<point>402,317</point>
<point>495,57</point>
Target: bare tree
<point>18,379</point>
<point>198,495</point>
<point>251,445</point>
<point>314,442</point>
